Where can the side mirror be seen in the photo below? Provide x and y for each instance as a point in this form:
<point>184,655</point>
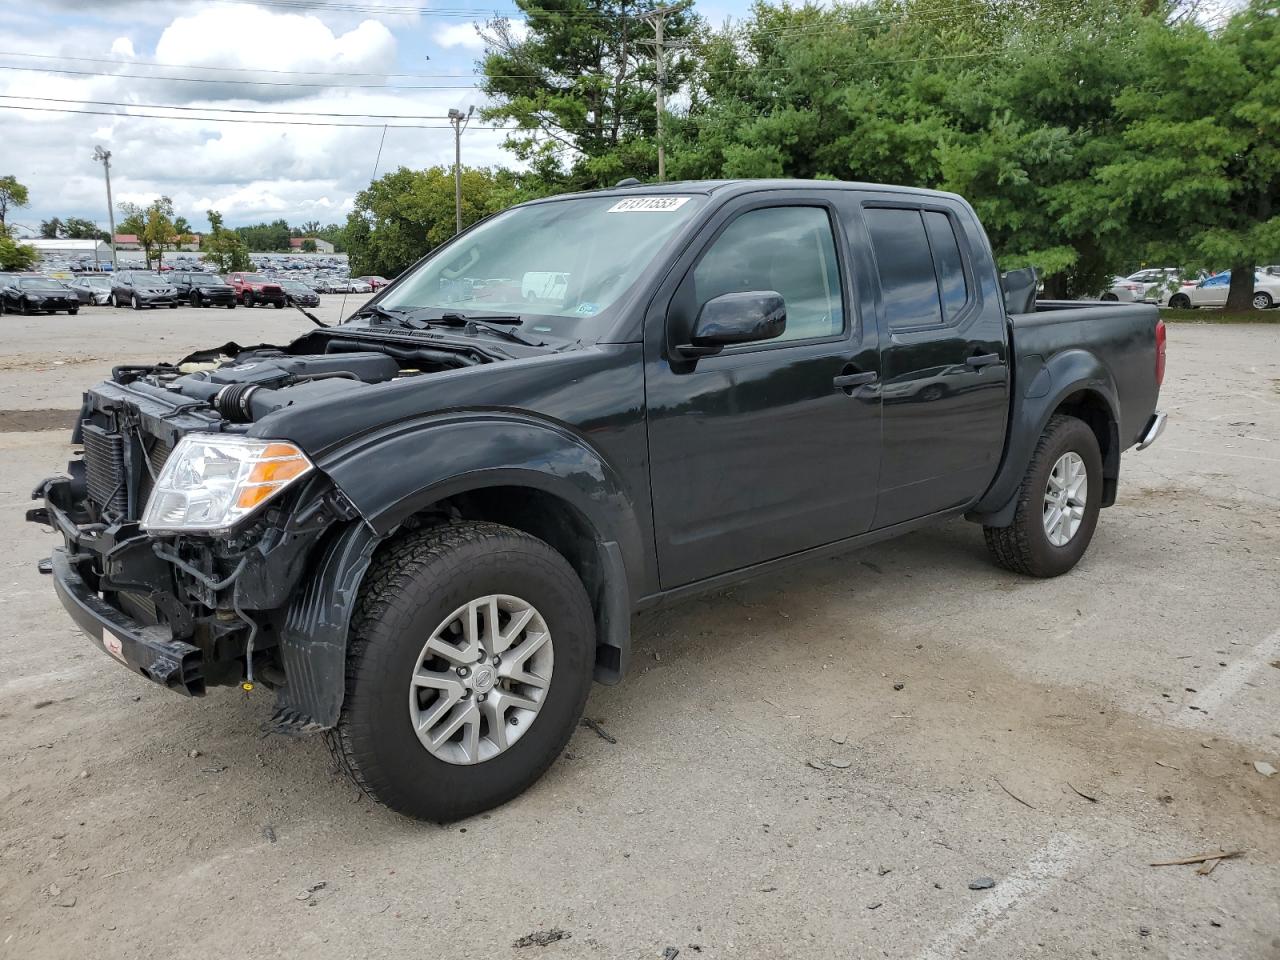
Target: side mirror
<point>733,318</point>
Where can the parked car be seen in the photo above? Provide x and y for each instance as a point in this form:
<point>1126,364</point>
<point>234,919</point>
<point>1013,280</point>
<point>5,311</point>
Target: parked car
<point>427,529</point>
<point>1145,286</point>
<point>93,288</point>
<point>142,288</point>
<point>1212,292</point>
<point>299,294</point>
<point>374,282</point>
<point>254,288</point>
<point>28,294</point>
<point>202,289</point>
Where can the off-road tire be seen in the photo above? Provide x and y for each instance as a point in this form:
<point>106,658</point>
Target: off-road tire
<point>412,586</point>
<point>1023,546</point>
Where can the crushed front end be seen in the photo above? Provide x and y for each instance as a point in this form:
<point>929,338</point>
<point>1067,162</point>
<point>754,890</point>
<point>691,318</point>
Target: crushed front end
<point>192,589</point>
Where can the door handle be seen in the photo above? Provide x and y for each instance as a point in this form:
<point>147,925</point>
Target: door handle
<point>847,381</point>
<point>980,360</point>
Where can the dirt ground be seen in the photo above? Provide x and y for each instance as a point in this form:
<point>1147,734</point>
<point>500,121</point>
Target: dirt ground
<point>821,764</point>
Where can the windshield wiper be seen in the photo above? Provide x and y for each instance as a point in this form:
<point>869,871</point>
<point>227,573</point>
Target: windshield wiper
<point>487,323</point>
<point>386,313</point>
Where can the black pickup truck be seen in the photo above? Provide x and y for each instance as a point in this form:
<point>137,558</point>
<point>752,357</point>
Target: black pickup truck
<point>428,529</point>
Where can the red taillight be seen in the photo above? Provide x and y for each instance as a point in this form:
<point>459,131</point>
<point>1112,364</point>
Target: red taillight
<point>1160,341</point>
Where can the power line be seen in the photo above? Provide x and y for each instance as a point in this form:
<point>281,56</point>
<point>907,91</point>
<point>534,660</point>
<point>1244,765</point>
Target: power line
<point>197,66</point>
<point>286,123</point>
<point>282,113</point>
<point>251,83</point>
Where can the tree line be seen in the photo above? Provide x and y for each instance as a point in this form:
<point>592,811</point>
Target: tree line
<point>1092,136</point>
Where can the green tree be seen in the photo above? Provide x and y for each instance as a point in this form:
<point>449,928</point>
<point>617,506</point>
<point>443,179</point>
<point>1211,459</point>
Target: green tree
<point>12,196</point>
<point>153,225</point>
<point>1008,102</point>
<point>266,237</point>
<point>78,228</point>
<point>406,213</point>
<point>1198,180</point>
<point>51,229</point>
<point>308,246</point>
<point>14,255</point>
<point>579,82</point>
<point>224,248</point>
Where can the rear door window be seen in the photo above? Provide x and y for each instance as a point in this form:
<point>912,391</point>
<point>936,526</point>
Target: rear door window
<point>908,284</point>
<point>953,287</point>
<point>923,281</point>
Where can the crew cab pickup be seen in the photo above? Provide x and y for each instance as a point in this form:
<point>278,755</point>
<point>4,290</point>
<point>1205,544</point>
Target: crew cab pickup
<point>253,288</point>
<point>428,529</point>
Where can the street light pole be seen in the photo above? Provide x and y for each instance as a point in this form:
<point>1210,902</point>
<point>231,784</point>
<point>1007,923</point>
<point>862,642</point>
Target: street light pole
<point>105,157</point>
<point>459,121</point>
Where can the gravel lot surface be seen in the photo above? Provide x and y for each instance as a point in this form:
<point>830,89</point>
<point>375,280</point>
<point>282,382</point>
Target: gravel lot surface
<point>815,765</point>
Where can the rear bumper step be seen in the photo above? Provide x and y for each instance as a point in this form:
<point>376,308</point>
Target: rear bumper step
<point>1155,427</point>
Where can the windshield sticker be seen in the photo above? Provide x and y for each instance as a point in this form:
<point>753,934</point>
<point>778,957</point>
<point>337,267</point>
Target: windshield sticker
<point>648,204</point>
<point>587,309</point>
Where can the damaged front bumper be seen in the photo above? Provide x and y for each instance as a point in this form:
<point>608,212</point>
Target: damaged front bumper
<point>148,650</point>
<point>273,605</point>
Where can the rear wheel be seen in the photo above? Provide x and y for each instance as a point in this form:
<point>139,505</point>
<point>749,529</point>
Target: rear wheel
<point>1058,503</point>
<point>279,304</point>
<point>1180,301</point>
<point>231,305</point>
<point>1110,297</point>
<point>1262,301</point>
<point>471,657</point>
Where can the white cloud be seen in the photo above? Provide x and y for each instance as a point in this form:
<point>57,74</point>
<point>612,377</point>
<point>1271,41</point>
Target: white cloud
<point>248,171</point>
<point>463,35</point>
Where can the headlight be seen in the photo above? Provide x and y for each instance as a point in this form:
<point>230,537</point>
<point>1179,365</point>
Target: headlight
<point>212,482</point>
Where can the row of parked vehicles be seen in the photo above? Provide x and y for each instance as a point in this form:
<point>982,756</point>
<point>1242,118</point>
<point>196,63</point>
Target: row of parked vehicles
<point>1167,287</point>
<point>34,293</point>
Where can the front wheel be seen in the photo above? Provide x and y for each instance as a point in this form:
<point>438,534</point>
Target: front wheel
<point>1058,503</point>
<point>196,301</point>
<point>248,298</point>
<point>137,304</point>
<point>471,657</point>
<point>231,305</point>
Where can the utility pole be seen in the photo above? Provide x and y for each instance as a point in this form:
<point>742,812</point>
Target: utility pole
<point>459,121</point>
<point>656,18</point>
<point>105,157</point>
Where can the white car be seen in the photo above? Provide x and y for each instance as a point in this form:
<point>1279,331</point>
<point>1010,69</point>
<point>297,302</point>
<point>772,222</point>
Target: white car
<point>1145,286</point>
<point>1212,292</point>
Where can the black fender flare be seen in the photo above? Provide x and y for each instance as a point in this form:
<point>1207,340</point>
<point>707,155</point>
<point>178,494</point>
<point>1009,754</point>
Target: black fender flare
<point>393,473</point>
<point>1047,384</point>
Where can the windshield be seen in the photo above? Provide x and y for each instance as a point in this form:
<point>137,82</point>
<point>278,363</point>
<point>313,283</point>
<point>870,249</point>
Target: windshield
<point>142,277</point>
<point>209,280</point>
<point>40,284</point>
<point>253,277</point>
<point>558,264</point>
<point>103,282</point>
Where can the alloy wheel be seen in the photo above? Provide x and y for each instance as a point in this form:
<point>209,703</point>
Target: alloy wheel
<point>1065,497</point>
<point>481,679</point>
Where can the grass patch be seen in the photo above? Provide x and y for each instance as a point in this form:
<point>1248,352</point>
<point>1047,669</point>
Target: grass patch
<point>1220,316</point>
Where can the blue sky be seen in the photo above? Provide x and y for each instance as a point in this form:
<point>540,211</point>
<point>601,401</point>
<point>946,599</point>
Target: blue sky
<point>250,172</point>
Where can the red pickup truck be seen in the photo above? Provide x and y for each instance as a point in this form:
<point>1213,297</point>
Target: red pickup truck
<point>254,288</point>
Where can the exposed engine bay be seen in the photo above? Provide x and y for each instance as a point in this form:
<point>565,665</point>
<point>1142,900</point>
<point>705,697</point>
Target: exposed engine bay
<point>244,384</point>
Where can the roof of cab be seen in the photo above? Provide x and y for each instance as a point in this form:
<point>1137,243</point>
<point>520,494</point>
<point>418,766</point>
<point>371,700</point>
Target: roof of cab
<point>734,187</point>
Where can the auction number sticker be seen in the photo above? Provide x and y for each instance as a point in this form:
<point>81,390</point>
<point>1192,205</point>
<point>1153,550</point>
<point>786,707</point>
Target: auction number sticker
<point>648,204</point>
